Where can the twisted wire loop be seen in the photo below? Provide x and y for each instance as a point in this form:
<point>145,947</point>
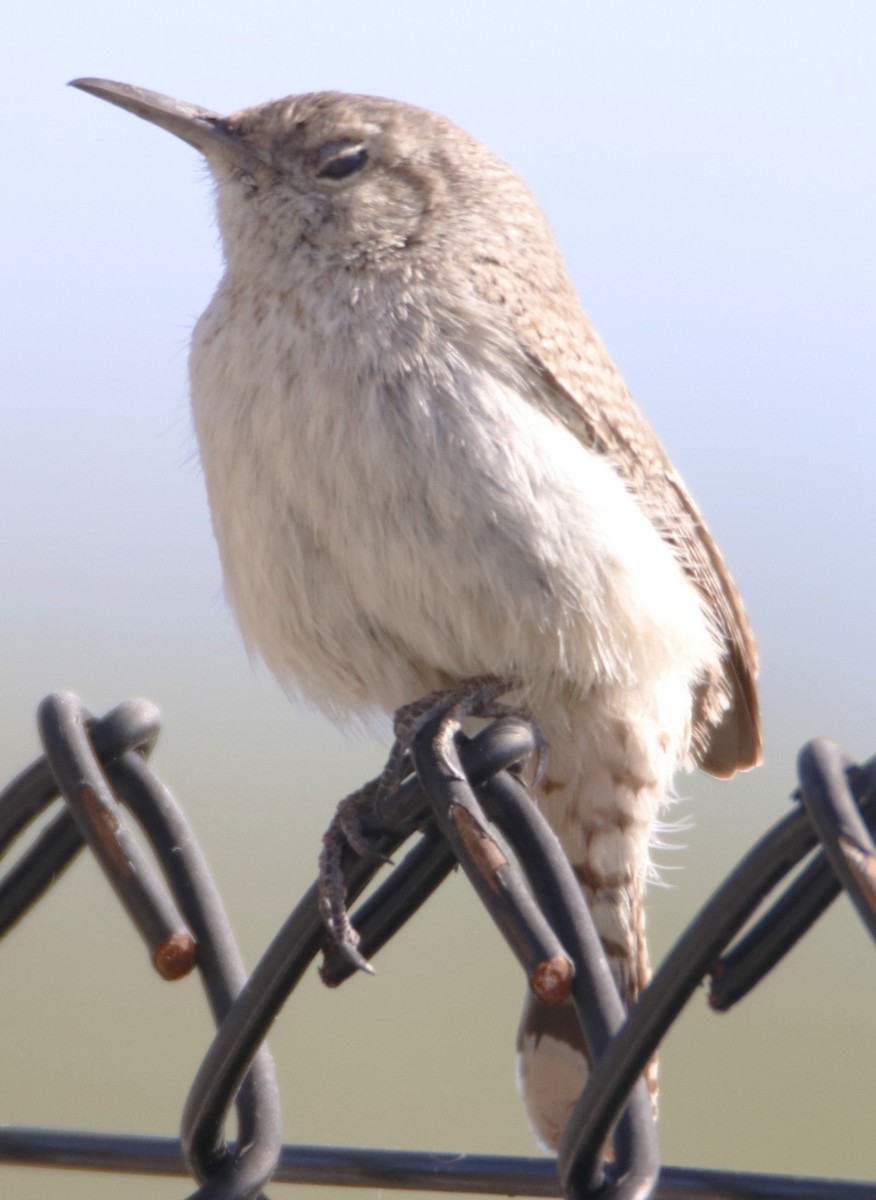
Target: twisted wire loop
<point>832,792</point>
<point>95,765</point>
<point>458,788</point>
<point>131,726</point>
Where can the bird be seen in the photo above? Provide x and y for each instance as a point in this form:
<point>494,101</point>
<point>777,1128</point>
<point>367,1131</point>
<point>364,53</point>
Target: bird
<point>424,467</point>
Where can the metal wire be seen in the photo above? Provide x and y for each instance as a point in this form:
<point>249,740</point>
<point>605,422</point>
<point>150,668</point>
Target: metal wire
<point>298,941</point>
<point>591,985</point>
<point>785,922</point>
<point>409,1170</point>
<point>75,744</point>
<point>825,791</point>
<point>100,769</point>
<point>131,726</point>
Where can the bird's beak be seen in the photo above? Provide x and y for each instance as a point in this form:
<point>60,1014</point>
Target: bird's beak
<point>201,128</point>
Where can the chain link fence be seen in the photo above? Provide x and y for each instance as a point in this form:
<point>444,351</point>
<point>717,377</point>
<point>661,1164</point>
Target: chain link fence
<point>100,770</point>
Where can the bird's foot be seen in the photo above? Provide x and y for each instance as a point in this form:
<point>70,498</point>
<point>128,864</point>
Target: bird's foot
<point>346,829</point>
<point>477,697</point>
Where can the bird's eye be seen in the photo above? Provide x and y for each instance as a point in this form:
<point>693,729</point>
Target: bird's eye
<point>337,160</point>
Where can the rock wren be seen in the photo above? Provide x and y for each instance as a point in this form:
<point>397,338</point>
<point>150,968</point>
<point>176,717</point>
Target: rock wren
<point>423,466</point>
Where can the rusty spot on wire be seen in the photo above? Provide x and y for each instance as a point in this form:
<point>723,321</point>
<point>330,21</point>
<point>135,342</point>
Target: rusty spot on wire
<point>176,956</point>
<point>105,825</point>
<point>552,978</point>
<point>484,850</point>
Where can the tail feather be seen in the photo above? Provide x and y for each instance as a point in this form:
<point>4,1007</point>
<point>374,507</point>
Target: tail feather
<point>603,794</point>
<point>553,1060</point>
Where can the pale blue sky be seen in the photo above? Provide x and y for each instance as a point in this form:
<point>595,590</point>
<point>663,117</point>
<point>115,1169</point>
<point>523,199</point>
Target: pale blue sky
<point>710,172</point>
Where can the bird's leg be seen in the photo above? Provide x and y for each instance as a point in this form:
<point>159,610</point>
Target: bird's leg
<point>477,697</point>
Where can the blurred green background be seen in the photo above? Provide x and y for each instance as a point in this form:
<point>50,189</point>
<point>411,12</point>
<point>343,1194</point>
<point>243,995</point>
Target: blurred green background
<point>709,170</point>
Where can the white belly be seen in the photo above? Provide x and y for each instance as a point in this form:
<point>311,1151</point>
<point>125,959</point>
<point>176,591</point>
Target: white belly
<point>379,539</point>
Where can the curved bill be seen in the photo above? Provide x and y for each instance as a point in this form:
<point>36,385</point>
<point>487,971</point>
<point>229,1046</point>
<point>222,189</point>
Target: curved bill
<point>205,130</point>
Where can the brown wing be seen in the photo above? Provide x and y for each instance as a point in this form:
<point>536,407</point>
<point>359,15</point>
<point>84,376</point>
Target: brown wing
<point>574,377</point>
<point>608,419</point>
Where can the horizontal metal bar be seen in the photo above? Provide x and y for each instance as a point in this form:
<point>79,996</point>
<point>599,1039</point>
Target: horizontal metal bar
<point>401,1169</point>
